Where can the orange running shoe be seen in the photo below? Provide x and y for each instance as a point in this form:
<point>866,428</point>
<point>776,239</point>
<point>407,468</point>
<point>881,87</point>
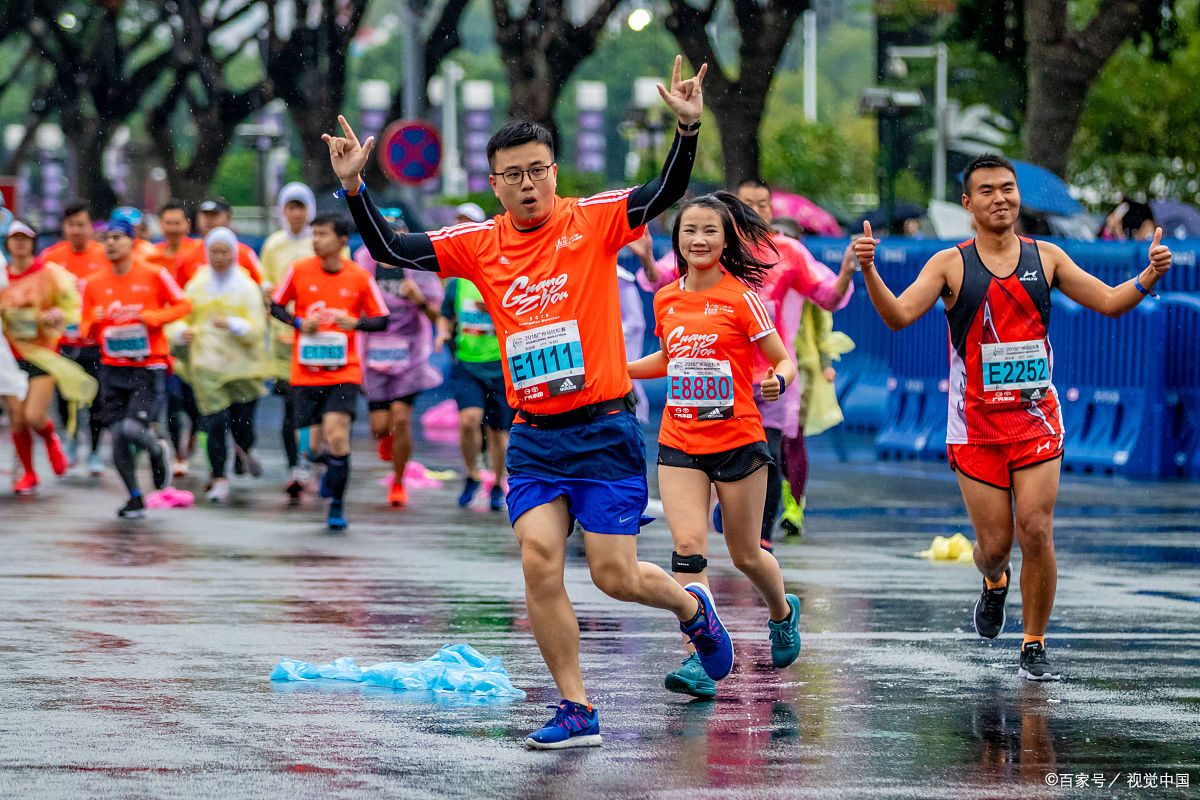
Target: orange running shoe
<point>385,448</point>
<point>58,459</point>
<point>397,496</point>
<point>26,484</point>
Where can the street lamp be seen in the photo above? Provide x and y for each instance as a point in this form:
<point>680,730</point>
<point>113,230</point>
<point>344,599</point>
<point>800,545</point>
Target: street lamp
<point>889,105</point>
<point>940,54</point>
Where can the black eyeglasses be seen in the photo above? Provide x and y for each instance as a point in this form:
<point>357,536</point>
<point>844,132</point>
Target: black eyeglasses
<point>514,176</point>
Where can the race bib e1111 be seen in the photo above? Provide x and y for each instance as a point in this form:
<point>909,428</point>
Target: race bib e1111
<point>546,361</point>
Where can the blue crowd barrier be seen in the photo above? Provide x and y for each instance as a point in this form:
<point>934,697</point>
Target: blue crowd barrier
<point>918,382</point>
<point>1182,363</point>
<point>1113,393</point>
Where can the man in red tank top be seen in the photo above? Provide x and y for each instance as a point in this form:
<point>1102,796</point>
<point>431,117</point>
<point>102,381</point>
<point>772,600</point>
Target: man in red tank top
<point>1004,431</point>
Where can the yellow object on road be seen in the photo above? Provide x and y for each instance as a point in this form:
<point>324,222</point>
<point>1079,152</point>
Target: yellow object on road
<point>957,548</point>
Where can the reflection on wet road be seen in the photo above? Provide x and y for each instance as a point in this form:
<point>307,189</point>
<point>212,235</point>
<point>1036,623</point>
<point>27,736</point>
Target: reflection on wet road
<point>136,656</point>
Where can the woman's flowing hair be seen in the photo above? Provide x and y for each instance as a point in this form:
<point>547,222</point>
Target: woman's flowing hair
<point>745,233</point>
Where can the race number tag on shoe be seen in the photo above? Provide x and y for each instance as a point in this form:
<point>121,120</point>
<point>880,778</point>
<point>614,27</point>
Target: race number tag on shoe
<point>699,389</point>
<point>127,341</point>
<point>387,353</point>
<point>1015,371</point>
<point>546,361</point>
<point>323,350</point>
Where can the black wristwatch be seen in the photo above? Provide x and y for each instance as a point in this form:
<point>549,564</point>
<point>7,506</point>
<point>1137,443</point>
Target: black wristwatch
<point>692,128</point>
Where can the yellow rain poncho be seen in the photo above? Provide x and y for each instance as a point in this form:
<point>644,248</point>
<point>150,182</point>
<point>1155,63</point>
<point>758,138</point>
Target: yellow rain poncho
<point>817,346</point>
<point>225,365</point>
<point>42,287</point>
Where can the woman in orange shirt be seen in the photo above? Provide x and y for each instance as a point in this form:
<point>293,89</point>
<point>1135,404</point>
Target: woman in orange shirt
<point>710,322</point>
<point>38,304</point>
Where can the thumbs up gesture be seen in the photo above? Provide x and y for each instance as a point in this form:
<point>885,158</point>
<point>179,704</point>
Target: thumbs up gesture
<point>1160,254</point>
<point>770,385</point>
<point>864,248</point>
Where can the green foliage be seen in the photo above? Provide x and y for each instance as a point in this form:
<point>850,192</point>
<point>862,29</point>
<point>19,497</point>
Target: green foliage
<point>237,178</point>
<point>1138,133</point>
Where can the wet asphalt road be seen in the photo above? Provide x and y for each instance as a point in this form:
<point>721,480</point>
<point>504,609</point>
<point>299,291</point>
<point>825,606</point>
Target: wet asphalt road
<point>135,655</point>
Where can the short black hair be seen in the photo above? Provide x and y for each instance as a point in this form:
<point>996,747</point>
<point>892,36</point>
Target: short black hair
<point>985,161</point>
<point>75,207</point>
<point>173,205</point>
<point>754,183</point>
<point>515,134</point>
<point>339,224</point>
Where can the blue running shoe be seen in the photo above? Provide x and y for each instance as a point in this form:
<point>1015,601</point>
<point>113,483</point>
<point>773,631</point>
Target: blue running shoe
<point>691,679</point>
<point>785,636</point>
<point>337,517</point>
<point>708,635</point>
<point>468,492</point>
<point>496,501</point>
<point>573,725</point>
<point>718,523</point>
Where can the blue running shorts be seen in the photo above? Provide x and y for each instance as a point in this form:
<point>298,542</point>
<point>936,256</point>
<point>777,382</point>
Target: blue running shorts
<point>600,467</point>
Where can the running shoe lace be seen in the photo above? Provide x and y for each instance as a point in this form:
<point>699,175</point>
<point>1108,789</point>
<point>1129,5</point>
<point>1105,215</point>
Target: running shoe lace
<point>571,720</point>
<point>993,599</point>
<point>1036,656</point>
<point>783,635</point>
<point>703,640</point>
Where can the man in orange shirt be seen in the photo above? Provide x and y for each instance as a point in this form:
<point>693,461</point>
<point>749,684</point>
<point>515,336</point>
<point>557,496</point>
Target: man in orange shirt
<point>125,308</point>
<point>546,269</point>
<point>334,297</point>
<point>217,213</point>
<point>82,255</point>
<point>177,244</point>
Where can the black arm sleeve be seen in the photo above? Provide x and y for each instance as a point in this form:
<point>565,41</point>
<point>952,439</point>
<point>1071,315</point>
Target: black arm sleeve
<point>371,324</point>
<point>651,199</point>
<point>282,314</point>
<point>409,250</point>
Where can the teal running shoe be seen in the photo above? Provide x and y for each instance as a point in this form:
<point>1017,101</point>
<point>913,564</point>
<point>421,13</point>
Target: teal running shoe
<point>691,679</point>
<point>785,636</point>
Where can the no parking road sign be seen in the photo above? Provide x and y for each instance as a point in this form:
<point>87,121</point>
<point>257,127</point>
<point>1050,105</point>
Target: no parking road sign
<point>410,151</point>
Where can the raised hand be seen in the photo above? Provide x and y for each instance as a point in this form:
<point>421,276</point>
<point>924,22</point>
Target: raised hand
<point>347,156</point>
<point>1160,254</point>
<point>685,98</point>
<point>770,385</point>
<point>864,248</point>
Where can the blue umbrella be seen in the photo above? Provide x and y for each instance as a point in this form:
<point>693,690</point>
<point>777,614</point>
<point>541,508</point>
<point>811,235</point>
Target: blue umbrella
<point>1042,190</point>
<point>1178,219</point>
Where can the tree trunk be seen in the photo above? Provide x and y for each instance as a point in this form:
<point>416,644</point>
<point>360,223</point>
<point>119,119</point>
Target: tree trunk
<point>533,93</point>
<point>738,105</point>
<point>739,120</point>
<point>1062,66</point>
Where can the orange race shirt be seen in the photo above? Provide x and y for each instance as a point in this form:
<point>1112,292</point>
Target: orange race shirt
<point>552,294</point>
<point>125,314</point>
<point>708,338</point>
<point>190,251</point>
<point>330,355</point>
<point>81,265</point>
<point>197,258</point>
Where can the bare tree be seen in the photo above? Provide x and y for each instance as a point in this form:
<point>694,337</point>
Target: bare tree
<point>541,48</point>
<point>1062,65</point>
<point>738,105</point>
<point>102,71</point>
<point>199,84</point>
<point>307,69</point>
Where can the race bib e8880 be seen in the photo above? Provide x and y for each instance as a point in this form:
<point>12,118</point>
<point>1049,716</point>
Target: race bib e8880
<point>700,388</point>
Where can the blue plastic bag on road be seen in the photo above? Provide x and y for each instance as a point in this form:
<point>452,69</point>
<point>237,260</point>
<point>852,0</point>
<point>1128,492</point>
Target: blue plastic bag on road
<point>454,668</point>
